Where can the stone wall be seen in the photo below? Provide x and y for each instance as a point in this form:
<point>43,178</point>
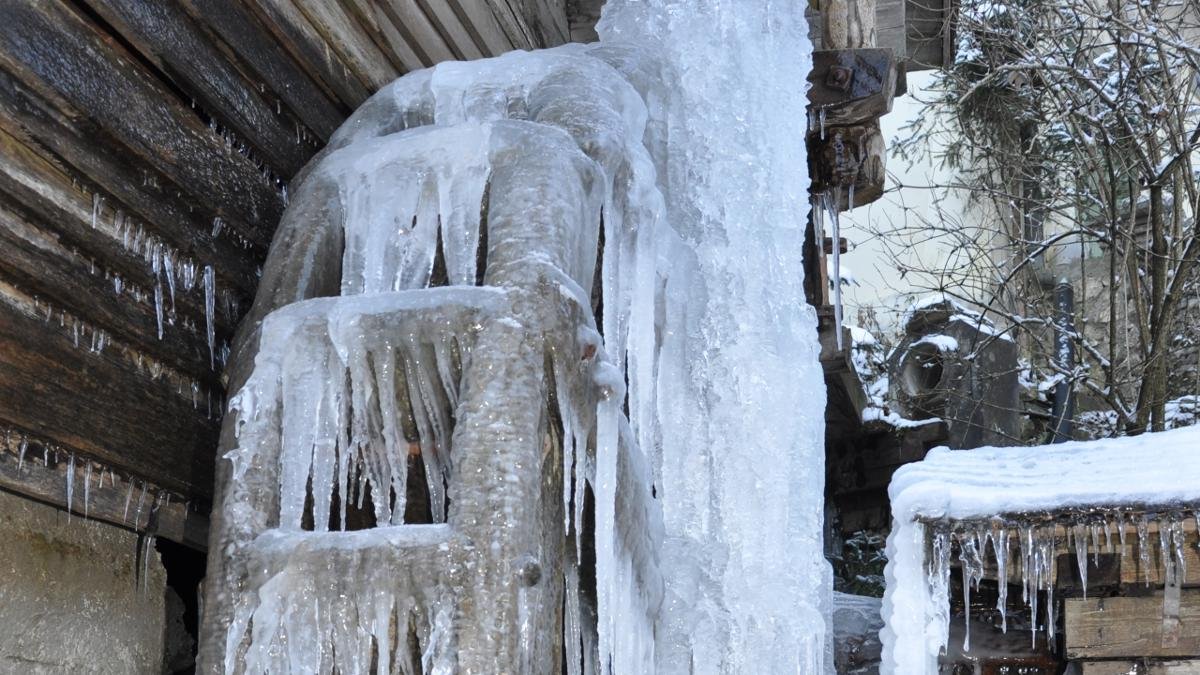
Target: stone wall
<point>70,600</point>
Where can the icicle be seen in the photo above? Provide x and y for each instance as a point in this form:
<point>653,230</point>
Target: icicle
<point>21,453</point>
<point>1143,536</point>
<point>1177,547</point>
<point>1165,550</point>
<point>158,293</point>
<point>1000,545</point>
<point>149,543</point>
<point>938,578</point>
<point>1046,548</point>
<point>210,291</point>
<point>137,516</point>
<point>822,122</point>
<point>218,223</point>
<point>97,205</point>
<point>972,572</point>
<point>87,488</point>
<point>1031,581</point>
<point>128,499</point>
<point>1079,532</point>
<point>1095,530</point>
<point>850,197</point>
<point>1108,535</point>
<point>70,484</point>
<point>169,271</point>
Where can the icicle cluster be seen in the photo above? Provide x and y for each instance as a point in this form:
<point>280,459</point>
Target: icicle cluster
<point>1009,511</point>
<point>707,343</point>
<point>344,389</point>
<point>348,389</point>
<point>82,476</point>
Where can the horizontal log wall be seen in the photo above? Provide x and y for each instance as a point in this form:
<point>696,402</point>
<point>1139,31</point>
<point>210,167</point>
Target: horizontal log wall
<point>145,147</point>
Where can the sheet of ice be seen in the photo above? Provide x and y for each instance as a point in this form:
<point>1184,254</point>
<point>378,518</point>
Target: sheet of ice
<point>739,426</point>
<point>1090,484</point>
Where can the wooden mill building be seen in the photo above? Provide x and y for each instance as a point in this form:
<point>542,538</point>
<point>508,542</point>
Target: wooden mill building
<point>145,153</point>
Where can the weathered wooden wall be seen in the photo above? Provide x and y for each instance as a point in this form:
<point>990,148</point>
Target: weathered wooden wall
<point>142,144</point>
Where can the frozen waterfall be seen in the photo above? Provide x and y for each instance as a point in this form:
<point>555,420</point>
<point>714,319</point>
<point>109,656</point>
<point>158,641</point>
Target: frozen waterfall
<point>530,379</point>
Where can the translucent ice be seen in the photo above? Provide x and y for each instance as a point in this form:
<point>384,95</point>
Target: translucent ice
<point>651,179</point>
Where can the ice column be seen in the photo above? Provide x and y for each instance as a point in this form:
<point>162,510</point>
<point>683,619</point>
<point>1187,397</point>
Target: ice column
<point>740,392</point>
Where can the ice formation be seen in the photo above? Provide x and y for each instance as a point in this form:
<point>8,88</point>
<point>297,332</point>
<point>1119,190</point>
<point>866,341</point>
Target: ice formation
<point>617,231</point>
<point>1022,503</point>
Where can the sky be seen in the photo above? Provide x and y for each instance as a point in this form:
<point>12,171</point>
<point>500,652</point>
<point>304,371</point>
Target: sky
<point>878,283</point>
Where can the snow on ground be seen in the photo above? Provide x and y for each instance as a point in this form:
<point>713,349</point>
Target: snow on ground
<point>1157,473</point>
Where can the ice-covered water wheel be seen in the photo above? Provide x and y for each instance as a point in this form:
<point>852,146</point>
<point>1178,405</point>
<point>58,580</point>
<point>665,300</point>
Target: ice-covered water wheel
<point>357,380</point>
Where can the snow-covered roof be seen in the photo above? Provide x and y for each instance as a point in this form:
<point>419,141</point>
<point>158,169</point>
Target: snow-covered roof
<point>1081,483</point>
<point>1153,470</point>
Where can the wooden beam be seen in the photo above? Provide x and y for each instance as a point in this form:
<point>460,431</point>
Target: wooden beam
<point>35,468</point>
<point>139,190</point>
<point>420,30</point>
<point>852,86</point>
<point>262,39</point>
<point>348,39</point>
<point>1130,627</point>
<point>479,17</point>
<point>47,195</point>
<point>92,81</point>
<point>164,34</point>
<point>98,404</point>
<point>929,33</point>
<point>36,263</point>
<point>393,39</point>
<point>1188,667</point>
<point>465,39</point>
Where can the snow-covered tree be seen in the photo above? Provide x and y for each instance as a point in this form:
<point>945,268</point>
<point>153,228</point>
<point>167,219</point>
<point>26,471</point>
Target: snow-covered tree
<point>1073,127</point>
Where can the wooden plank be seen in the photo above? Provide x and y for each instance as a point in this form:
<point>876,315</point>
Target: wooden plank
<point>929,35</point>
<point>512,23</point>
<point>92,81</point>
<point>464,41</point>
<point>544,20</point>
<point>48,196</point>
<point>95,403</point>
<point>266,58</point>
<point>36,263</point>
<point>292,32</point>
<point>479,18</point>
<point>1188,667</point>
<point>35,468</point>
<point>141,192</point>
<point>393,38</point>
<point>1130,627</point>
<point>890,29</point>
<point>1134,572</point>
<point>435,39</point>
<point>165,34</point>
<point>346,38</point>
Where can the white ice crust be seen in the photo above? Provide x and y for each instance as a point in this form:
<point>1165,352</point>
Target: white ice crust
<point>992,497</point>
